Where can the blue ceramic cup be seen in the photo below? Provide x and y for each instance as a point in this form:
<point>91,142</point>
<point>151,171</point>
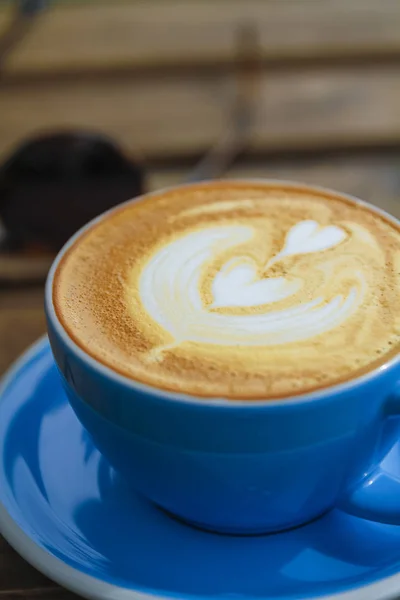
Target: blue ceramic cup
<point>239,467</point>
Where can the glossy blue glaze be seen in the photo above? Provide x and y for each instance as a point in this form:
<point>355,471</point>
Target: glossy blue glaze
<point>231,466</point>
<point>59,499</point>
<point>238,468</point>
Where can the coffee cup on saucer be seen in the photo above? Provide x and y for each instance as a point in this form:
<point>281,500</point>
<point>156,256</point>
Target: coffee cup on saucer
<point>233,350</point>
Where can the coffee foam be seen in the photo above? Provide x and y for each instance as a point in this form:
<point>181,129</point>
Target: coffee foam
<point>235,290</point>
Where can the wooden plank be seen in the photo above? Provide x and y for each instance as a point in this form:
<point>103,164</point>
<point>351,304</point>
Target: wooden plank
<point>16,298</point>
<point>18,330</point>
<point>17,269</point>
<point>14,26</point>
<point>147,115</point>
<point>174,116</point>
<point>16,573</point>
<point>6,16</point>
<point>372,177</point>
<point>157,33</point>
<point>52,593</point>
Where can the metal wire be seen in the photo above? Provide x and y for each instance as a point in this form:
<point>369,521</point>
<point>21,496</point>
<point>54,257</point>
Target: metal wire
<point>24,15</point>
<point>235,137</point>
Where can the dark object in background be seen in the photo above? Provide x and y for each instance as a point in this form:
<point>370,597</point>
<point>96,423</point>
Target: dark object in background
<point>54,184</point>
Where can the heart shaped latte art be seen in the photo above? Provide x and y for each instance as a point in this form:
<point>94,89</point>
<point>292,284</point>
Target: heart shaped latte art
<point>170,289</point>
<point>238,282</point>
<point>308,236</point>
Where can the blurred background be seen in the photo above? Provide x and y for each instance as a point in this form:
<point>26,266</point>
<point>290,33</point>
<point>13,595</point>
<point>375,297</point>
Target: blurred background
<point>102,100</point>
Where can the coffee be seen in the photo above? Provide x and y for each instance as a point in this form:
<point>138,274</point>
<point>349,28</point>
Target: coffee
<point>235,290</point>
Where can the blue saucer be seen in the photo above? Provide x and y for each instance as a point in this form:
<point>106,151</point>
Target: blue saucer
<point>64,510</point>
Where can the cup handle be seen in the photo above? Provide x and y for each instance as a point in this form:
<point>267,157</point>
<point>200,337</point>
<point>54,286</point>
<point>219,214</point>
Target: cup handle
<point>377,498</point>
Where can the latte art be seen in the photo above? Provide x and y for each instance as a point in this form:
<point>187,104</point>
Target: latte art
<point>236,290</point>
<point>171,289</point>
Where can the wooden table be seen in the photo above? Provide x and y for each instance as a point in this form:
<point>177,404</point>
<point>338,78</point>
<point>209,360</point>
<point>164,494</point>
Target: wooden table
<point>158,77</point>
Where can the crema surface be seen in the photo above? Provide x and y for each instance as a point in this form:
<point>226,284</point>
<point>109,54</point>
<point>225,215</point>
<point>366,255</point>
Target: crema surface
<point>235,290</point>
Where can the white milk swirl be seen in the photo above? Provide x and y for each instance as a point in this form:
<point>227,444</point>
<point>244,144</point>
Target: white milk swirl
<point>170,289</point>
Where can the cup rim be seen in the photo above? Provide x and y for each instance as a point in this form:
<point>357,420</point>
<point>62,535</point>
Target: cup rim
<point>192,399</point>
